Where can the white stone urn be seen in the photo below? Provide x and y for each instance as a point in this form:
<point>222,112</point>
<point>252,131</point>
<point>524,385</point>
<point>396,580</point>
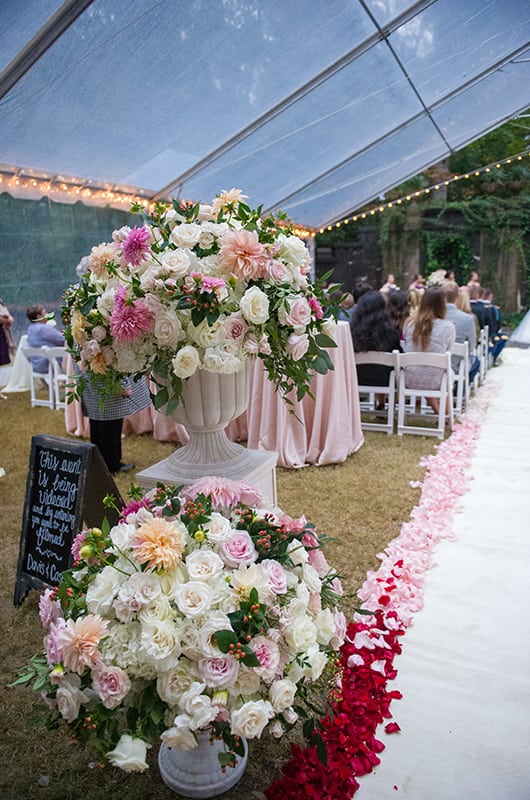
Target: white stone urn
<point>211,401</point>
<point>197,772</point>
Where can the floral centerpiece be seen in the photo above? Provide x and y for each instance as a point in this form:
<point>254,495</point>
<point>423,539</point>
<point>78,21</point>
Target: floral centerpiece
<point>199,287</point>
<point>198,610</point>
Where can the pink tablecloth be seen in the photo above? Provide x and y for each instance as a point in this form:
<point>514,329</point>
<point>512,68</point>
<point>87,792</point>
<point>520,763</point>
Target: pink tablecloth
<point>323,430</point>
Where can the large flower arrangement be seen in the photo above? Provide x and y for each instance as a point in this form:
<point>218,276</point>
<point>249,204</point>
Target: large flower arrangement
<point>198,610</point>
<point>199,287</point>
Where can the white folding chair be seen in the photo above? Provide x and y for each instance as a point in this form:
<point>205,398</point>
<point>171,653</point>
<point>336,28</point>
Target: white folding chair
<point>368,393</point>
<point>37,379</point>
<point>60,379</point>
<point>408,397</point>
<point>461,376</point>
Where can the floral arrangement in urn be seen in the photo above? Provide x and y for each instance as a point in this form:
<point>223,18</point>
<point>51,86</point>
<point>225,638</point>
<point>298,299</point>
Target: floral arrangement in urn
<point>199,287</point>
<point>199,610</point>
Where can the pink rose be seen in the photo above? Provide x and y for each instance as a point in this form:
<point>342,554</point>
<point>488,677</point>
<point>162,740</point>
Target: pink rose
<point>317,559</point>
<point>239,550</point>
<point>293,525</point>
<point>297,345</point>
<point>220,672</point>
<point>297,314</point>
<point>277,271</point>
<point>276,575</point>
<point>268,654</point>
<point>235,327</point>
<point>111,684</point>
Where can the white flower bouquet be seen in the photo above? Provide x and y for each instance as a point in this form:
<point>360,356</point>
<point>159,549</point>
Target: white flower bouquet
<point>199,287</point>
<point>198,610</point>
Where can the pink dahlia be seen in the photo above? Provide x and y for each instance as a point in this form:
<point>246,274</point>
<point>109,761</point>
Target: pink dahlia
<point>130,319</point>
<point>136,246</point>
<point>242,253</point>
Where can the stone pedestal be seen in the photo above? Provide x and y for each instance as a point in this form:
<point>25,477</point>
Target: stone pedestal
<point>210,401</point>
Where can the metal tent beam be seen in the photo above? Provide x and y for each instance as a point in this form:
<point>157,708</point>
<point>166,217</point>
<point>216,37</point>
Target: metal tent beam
<point>259,122</point>
<point>57,24</point>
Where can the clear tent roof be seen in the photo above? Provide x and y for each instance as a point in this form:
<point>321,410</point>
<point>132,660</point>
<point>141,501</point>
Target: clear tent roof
<point>313,108</point>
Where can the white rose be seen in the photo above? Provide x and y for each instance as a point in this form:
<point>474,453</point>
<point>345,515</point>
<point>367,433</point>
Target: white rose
<point>69,698</point>
<point>254,306</point>
<point>180,737</point>
<point>121,536</point>
<point>203,565</point>
<point>102,591</point>
<point>186,235</point>
<point>158,609</point>
<point>248,682</point>
<point>167,329</point>
<point>129,754</point>
<point>177,262</point>
<point>198,706</point>
<point>251,719</point>
<point>218,529</point>
<point>300,633</point>
<point>297,552</point>
<point>311,578</point>
<point>325,625</point>
<point>171,685</point>
<point>193,598</point>
<point>216,621</point>
<point>105,303</point>
<point>290,716</point>
<point>282,694</point>
<point>141,589</point>
<point>329,327</point>
<point>207,335</point>
<point>317,660</point>
<point>293,250</point>
<point>186,362</point>
<point>160,641</point>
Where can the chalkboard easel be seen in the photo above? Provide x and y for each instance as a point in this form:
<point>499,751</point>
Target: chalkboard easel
<point>67,481</point>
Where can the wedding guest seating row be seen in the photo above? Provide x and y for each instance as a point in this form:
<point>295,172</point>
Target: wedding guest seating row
<point>382,404</point>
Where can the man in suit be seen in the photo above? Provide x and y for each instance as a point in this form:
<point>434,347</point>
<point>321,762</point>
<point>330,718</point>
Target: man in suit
<point>465,328</point>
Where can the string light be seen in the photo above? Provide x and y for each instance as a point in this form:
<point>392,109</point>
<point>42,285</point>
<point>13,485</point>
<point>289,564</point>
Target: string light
<point>429,189</point>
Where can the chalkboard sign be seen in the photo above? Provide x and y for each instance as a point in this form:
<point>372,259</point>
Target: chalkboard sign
<point>67,481</point>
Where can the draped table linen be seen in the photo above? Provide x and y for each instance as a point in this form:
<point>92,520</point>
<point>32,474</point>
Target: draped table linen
<point>323,430</point>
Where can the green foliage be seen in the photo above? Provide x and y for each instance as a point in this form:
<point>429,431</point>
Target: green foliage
<point>449,251</point>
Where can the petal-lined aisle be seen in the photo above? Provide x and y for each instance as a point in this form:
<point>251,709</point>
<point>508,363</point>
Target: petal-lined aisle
<point>465,668</point>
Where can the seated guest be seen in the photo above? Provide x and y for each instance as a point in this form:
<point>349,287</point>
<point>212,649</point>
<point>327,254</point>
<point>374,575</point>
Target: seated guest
<point>428,332</point>
<point>397,309</point>
<point>41,334</point>
<point>390,285</point>
<point>498,339</point>
<point>418,283</point>
<point>477,307</point>
<point>358,290</point>
<point>465,328</point>
<point>371,330</point>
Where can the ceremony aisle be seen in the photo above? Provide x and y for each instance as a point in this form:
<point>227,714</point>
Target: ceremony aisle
<point>443,649</point>
<point>465,667</point>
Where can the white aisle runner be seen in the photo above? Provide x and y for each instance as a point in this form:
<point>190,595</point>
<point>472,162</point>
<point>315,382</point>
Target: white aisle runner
<point>465,668</point>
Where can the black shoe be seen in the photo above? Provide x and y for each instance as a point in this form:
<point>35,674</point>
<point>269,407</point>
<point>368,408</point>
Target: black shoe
<point>124,468</point>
